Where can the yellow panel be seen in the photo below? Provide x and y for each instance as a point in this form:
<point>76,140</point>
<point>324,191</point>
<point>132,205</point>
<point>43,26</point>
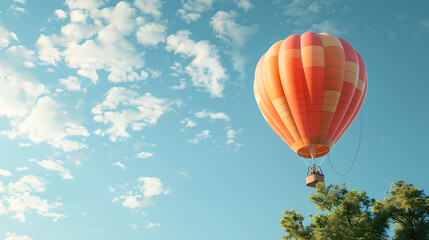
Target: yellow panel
<point>274,50</point>
<point>330,40</point>
<point>284,115</point>
<point>312,51</point>
<point>329,108</point>
<point>291,53</point>
<point>330,101</point>
<point>351,78</point>
<point>352,67</point>
<point>279,101</point>
<point>331,94</point>
<point>360,85</point>
<point>313,61</point>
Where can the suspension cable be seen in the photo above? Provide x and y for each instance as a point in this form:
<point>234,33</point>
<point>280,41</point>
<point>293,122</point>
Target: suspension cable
<point>357,151</point>
<point>304,161</point>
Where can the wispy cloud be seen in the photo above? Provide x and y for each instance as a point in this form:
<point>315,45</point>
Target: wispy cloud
<point>212,115</point>
<point>205,70</point>
<point>6,37</point>
<point>119,164</point>
<point>151,34</point>
<point>144,155</point>
<point>200,136</point>
<point>5,173</point>
<point>20,197</point>
<point>192,9</point>
<point>141,195</point>
<point>188,123</point>
<point>56,166</point>
<point>13,236</point>
<point>227,29</point>
<point>152,7</point>
<point>137,111</point>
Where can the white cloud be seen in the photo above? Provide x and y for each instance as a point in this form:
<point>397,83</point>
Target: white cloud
<point>144,155</point>
<point>152,7</point>
<point>72,83</point>
<point>151,34</point>
<point>328,26</point>
<point>109,50</point>
<point>141,195</point>
<point>205,69</point>
<point>60,13</point>
<point>24,144</point>
<point>18,198</point>
<point>185,174</point>
<point>151,225</point>
<point>192,9</point>
<point>119,164</point>
<point>56,166</point>
<point>230,135</point>
<point>17,9</point>
<point>303,13</point>
<point>154,73</point>
<point>73,33</point>
<point>5,173</point>
<point>188,17</point>
<point>84,4</point>
<point>137,112</point>
<point>227,29</point>
<point>78,16</point>
<point>212,115</point>
<point>189,123</point>
<point>152,186</point>
<point>6,37</point>
<point>20,169</point>
<point>18,93</point>
<point>20,1</point>
<point>22,55</point>
<point>48,54</point>
<point>13,236</point>
<point>244,4</point>
<point>47,123</point>
<point>200,136</point>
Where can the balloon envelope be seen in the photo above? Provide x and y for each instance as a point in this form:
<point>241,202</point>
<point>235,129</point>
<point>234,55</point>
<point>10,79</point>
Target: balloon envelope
<point>310,88</point>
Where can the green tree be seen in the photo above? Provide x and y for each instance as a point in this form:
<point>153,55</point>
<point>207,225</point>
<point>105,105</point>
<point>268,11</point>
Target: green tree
<point>344,215</point>
<point>408,209</point>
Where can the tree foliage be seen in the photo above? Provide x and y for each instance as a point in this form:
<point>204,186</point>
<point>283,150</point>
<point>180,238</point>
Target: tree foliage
<point>408,209</point>
<point>347,214</point>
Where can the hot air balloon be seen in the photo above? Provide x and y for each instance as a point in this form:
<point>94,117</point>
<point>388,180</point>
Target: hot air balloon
<point>310,88</point>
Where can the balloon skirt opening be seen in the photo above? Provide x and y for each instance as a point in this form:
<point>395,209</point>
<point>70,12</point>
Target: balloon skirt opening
<point>307,151</point>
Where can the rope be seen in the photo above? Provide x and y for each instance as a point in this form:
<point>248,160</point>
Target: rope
<point>357,151</point>
<point>304,161</point>
<point>321,162</point>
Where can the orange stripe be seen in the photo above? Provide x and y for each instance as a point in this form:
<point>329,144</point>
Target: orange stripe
<point>292,80</point>
<point>347,92</point>
<point>313,59</point>
<point>267,109</point>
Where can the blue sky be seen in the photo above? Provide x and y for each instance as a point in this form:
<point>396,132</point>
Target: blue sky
<point>137,120</point>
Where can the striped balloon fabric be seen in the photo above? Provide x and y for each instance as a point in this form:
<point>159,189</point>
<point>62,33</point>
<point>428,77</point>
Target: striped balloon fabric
<point>310,88</point>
